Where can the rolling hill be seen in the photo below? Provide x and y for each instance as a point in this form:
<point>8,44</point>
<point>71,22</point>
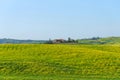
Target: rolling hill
<point>97,40</point>
<point>17,41</point>
<point>94,40</point>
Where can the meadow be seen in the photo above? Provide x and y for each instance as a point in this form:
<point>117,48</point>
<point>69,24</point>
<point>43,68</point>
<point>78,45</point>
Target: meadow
<point>59,62</point>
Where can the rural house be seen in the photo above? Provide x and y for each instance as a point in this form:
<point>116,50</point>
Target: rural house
<point>58,41</point>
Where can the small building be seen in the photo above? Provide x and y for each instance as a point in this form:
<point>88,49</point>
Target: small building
<point>59,41</point>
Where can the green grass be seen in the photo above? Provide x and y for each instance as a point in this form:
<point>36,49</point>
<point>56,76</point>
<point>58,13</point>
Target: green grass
<point>107,40</point>
<point>59,62</point>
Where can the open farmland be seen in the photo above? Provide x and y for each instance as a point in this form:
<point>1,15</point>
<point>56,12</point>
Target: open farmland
<point>59,62</point>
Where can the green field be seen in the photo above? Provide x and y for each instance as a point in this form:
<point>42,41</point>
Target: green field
<point>59,62</point>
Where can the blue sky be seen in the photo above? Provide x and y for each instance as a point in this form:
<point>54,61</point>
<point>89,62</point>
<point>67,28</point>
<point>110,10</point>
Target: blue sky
<point>44,19</point>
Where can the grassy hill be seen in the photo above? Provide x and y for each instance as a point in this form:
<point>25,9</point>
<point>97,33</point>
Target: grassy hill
<point>108,40</point>
<point>94,40</point>
<point>59,62</point>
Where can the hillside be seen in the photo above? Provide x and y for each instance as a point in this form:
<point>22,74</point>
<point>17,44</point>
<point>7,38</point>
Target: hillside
<point>108,40</point>
<point>59,62</point>
<point>16,41</point>
<point>94,40</point>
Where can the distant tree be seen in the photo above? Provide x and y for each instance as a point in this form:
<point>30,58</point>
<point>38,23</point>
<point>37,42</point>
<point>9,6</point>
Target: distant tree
<point>49,41</point>
<point>95,38</point>
<point>69,39</point>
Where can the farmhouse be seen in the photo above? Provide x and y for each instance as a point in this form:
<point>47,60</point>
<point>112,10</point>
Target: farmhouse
<point>58,41</point>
